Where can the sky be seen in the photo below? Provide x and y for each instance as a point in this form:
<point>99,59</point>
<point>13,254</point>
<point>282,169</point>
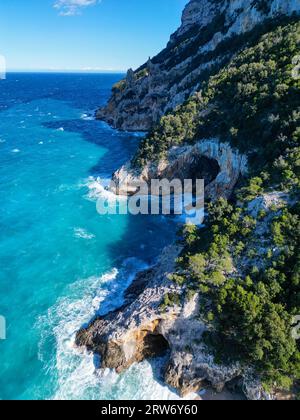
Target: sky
<point>86,35</point>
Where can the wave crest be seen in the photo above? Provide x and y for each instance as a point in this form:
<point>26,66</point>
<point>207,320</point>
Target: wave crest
<point>74,369</point>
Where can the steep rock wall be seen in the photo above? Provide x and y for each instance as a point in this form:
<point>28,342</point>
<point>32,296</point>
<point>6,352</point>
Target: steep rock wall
<point>142,328</point>
<point>174,74</point>
<point>178,163</point>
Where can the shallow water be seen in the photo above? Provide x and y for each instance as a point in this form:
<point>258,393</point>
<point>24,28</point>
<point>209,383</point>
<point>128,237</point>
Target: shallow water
<point>60,261</point>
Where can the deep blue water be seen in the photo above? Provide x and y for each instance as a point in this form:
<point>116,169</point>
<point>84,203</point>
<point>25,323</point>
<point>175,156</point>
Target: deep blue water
<point>60,261</point>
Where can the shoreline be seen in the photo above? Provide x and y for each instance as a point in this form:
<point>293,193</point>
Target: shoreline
<point>140,330</point>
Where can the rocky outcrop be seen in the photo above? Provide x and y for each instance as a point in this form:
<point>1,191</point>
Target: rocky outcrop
<point>130,333</point>
<point>188,162</point>
<point>144,328</point>
<point>253,388</point>
<point>264,209</point>
<point>201,42</point>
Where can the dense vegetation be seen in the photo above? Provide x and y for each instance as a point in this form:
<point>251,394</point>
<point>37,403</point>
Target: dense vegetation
<point>253,103</point>
<point>247,270</point>
<point>245,264</point>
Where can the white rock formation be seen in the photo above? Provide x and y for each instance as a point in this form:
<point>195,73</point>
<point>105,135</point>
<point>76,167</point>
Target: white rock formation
<point>177,165</point>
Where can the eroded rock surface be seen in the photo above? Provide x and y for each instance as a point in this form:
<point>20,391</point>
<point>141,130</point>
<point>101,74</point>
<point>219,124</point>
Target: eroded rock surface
<point>227,165</point>
<point>202,41</point>
<point>142,328</point>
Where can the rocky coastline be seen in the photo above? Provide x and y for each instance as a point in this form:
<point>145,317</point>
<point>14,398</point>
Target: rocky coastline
<point>203,42</point>
<point>144,327</point>
<point>217,163</point>
<point>158,316</point>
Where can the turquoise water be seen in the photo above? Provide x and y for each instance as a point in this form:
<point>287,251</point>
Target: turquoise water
<point>60,261</point>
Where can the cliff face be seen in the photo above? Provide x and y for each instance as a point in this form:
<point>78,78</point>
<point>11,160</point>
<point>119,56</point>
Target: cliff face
<point>159,314</point>
<point>159,317</point>
<point>201,42</point>
<point>143,328</point>
<point>215,162</point>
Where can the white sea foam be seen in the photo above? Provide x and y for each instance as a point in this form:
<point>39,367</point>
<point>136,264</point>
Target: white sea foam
<point>60,129</point>
<point>16,151</point>
<point>83,234</point>
<point>77,376</point>
<point>87,117</point>
<point>69,187</point>
<point>98,189</point>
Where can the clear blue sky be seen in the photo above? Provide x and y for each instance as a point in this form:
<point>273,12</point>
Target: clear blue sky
<point>85,34</point>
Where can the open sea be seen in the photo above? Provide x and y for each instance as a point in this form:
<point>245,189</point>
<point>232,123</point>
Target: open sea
<point>60,261</point>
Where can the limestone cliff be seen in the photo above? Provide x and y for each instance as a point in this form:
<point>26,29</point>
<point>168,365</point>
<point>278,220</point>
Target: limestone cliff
<point>207,38</point>
<point>159,317</point>
<point>143,328</point>
<point>216,162</point>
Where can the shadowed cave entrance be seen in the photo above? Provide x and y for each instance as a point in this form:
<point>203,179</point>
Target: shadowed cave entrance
<point>154,345</point>
<point>203,168</point>
<point>197,167</point>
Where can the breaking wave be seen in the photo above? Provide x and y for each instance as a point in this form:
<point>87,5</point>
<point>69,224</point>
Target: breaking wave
<point>87,117</point>
<point>75,370</point>
<point>98,190</point>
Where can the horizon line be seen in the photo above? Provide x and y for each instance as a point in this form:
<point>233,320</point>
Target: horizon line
<point>86,71</point>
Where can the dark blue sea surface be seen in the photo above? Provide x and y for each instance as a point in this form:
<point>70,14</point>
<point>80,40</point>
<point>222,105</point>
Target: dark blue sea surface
<point>60,261</point>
